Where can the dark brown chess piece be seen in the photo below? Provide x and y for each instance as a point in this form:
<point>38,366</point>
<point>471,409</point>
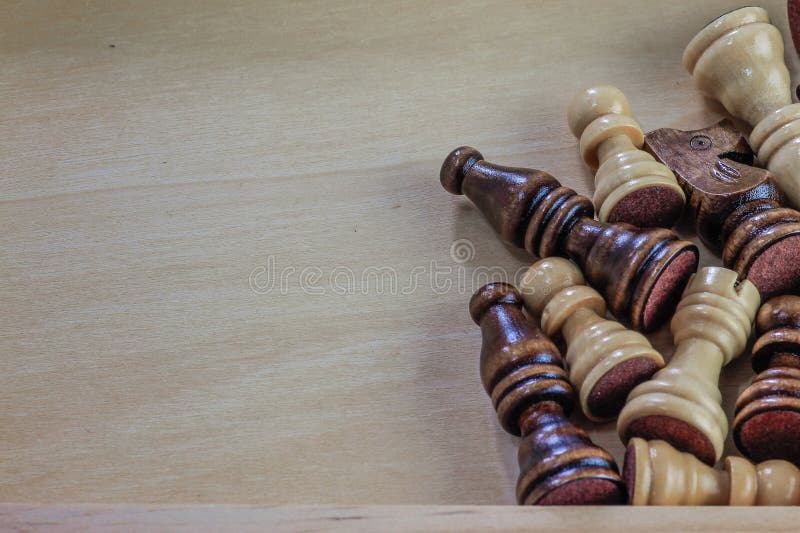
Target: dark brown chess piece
<point>640,272</point>
<point>523,373</point>
<point>738,209</point>
<point>767,421</point>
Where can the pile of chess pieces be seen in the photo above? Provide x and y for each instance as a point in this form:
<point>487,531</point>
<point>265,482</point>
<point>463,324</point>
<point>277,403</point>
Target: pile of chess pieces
<point>629,263</point>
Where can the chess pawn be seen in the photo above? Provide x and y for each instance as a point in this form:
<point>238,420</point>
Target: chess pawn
<point>658,474</point>
<point>605,359</point>
<point>681,403</point>
<point>767,419</point>
<point>639,272</point>
<point>737,208</point>
<point>737,59</point>
<point>630,185</point>
<point>523,373</point>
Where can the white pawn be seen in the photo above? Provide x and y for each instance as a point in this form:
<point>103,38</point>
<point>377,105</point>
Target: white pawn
<point>606,360</point>
<point>630,185</point>
<point>681,404</point>
<point>737,59</point>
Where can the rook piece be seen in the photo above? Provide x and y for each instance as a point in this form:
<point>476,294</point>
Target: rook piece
<point>523,373</point>
<point>737,207</point>
<point>681,403</point>
<point>630,186</point>
<point>767,422</point>
<point>658,474</point>
<point>605,359</point>
<point>639,272</point>
<point>738,60</point>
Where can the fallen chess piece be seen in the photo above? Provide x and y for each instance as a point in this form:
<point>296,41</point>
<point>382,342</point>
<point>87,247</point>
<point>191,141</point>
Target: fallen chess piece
<point>523,373</point>
<point>605,359</point>
<point>658,474</point>
<point>737,208</point>
<point>639,272</point>
<point>630,185</point>
<point>681,404</point>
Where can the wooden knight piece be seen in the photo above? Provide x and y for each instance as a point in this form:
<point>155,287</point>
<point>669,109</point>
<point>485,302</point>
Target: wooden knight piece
<point>523,373</point>
<point>767,421</point>
<point>640,272</point>
<point>658,474</point>
<point>737,208</point>
<point>630,186</point>
<point>681,403</point>
<point>737,59</point>
<point>605,359</point>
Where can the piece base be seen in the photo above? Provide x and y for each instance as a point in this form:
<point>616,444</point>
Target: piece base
<point>629,471</point>
<point>668,288</point>
<point>770,435</point>
<point>682,436</point>
<point>649,207</point>
<point>591,491</point>
<point>610,392</point>
<point>777,269</point>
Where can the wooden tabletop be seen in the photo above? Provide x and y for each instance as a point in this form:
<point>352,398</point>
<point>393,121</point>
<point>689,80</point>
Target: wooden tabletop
<point>228,271</point>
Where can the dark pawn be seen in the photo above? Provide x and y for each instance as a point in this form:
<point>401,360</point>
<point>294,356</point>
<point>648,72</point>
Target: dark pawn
<point>640,272</point>
<point>767,420</point>
<point>523,373</point>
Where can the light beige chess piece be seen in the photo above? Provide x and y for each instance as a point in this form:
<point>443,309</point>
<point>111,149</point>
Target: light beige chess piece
<point>658,474</point>
<point>630,185</point>
<point>606,360</point>
<point>681,403</point>
<point>738,60</point>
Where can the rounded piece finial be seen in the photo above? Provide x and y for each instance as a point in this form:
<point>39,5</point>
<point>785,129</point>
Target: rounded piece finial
<point>593,103</point>
<point>545,278</point>
<point>492,294</point>
<point>456,166</point>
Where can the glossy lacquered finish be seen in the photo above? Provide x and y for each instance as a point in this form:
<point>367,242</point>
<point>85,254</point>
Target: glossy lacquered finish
<point>737,208</point>
<point>523,373</point>
<point>640,272</point>
<point>767,421</point>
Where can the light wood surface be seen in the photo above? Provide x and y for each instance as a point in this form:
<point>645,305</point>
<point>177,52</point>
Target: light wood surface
<point>400,518</point>
<point>158,157</point>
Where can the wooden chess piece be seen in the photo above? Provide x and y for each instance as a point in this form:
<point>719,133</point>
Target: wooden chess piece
<point>523,373</point>
<point>605,359</point>
<point>737,59</point>
<point>767,420</point>
<point>681,403</point>
<point>658,474</point>
<point>640,272</point>
<point>630,186</point>
<point>738,209</point>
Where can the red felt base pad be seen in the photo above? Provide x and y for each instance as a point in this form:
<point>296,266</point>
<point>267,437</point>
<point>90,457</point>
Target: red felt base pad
<point>683,437</point>
<point>777,269</point>
<point>610,392</point>
<point>649,207</point>
<point>771,435</point>
<point>667,290</point>
<point>591,491</point>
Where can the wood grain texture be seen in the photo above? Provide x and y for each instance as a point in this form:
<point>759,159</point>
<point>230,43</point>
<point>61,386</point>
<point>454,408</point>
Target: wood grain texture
<point>143,184</point>
<point>389,518</point>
